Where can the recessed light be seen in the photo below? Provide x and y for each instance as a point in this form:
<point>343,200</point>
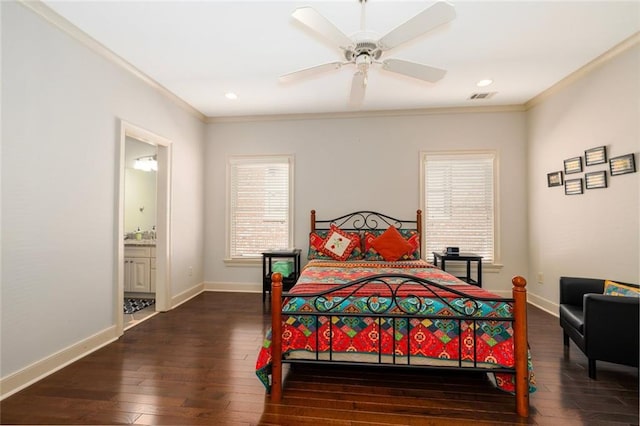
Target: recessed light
<point>230,95</point>
<point>484,83</point>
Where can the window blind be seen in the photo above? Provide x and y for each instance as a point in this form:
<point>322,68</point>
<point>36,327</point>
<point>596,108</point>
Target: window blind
<point>259,205</point>
<point>459,203</point>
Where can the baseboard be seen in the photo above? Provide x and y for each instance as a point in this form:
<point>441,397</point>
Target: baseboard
<point>40,369</point>
<point>186,295</point>
<point>49,365</point>
<point>544,304</point>
<point>215,286</point>
<point>233,287</point>
<point>537,301</point>
<point>237,287</point>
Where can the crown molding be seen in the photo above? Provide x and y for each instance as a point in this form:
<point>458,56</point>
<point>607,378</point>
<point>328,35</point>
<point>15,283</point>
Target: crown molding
<point>586,69</point>
<point>72,30</point>
<point>368,114</point>
<point>60,22</point>
<point>63,24</point>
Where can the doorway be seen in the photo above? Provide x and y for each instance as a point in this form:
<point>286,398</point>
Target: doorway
<point>145,228</point>
<point>139,231</point>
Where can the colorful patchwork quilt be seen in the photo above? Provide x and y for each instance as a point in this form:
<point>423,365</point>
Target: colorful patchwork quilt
<point>484,341</point>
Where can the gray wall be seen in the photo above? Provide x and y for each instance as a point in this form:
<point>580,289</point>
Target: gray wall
<point>595,234</point>
<point>373,163</point>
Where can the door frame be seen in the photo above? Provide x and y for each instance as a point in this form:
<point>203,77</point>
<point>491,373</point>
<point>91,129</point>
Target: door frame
<point>163,223</point>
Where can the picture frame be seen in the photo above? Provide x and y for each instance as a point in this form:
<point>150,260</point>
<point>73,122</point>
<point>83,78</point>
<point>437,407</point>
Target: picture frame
<point>595,180</point>
<point>573,186</point>
<point>622,165</point>
<point>573,165</point>
<point>596,155</point>
<point>554,179</point>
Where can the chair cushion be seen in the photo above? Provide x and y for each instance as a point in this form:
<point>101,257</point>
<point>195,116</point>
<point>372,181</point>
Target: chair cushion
<point>574,316</point>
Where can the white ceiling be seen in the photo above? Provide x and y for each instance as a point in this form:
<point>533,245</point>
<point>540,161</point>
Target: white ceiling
<point>200,50</point>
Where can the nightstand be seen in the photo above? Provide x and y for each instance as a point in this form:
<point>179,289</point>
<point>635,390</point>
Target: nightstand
<point>462,257</point>
<point>269,258</point>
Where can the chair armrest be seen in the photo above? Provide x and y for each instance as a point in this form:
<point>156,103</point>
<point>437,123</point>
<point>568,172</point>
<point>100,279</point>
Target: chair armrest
<point>572,289</point>
<point>611,326</point>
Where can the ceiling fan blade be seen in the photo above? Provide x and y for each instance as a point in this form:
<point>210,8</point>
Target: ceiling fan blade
<point>307,72</point>
<point>432,17</point>
<point>412,69</point>
<point>358,86</point>
<point>309,17</point>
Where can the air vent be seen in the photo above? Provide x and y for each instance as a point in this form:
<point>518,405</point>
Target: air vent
<point>485,95</point>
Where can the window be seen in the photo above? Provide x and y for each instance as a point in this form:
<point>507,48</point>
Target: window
<point>459,203</point>
<point>260,193</point>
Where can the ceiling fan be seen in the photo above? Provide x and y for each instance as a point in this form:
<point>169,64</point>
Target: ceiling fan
<point>364,48</point>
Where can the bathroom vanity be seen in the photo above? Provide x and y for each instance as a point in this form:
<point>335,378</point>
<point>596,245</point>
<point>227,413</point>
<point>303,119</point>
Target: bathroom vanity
<point>140,266</point>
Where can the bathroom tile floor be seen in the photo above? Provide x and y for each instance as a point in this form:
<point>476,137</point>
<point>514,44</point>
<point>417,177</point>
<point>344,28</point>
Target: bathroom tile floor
<point>131,320</point>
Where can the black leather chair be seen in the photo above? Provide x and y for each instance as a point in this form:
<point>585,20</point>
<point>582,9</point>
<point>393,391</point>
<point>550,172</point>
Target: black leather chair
<point>605,328</point>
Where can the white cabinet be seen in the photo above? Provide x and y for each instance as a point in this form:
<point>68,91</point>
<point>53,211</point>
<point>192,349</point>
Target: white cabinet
<point>139,276</point>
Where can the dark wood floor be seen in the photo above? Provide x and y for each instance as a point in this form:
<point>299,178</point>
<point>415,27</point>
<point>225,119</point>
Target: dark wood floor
<point>195,365</point>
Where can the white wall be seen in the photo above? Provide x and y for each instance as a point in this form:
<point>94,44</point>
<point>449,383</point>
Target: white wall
<point>347,164</point>
<point>61,105</point>
<point>594,234</point>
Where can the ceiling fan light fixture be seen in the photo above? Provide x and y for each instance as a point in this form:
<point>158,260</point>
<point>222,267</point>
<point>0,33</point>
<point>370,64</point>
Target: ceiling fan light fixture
<point>484,83</point>
<point>231,96</point>
<point>363,61</point>
<point>365,48</point>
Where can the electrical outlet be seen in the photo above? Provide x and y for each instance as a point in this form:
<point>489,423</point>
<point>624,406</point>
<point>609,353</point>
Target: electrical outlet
<point>190,270</point>
<point>540,278</point>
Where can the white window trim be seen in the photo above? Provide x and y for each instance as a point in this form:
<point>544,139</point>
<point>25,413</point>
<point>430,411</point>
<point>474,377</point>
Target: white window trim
<point>254,261</point>
<point>496,265</point>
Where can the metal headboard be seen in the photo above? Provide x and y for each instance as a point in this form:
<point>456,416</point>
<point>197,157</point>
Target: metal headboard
<point>366,220</point>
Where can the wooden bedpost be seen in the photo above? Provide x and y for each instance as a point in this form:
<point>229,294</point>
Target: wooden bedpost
<point>276,337</point>
<point>419,224</point>
<point>520,343</point>
<point>313,221</point>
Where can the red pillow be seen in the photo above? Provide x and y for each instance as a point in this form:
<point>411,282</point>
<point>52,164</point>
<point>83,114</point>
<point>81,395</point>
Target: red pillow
<point>371,254</point>
<point>339,244</point>
<point>391,245</point>
<point>414,240</point>
<point>315,241</point>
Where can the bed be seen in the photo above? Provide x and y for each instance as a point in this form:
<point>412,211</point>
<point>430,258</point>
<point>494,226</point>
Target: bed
<point>367,297</point>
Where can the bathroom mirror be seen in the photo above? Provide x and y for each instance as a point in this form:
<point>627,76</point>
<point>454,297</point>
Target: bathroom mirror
<point>140,183</point>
